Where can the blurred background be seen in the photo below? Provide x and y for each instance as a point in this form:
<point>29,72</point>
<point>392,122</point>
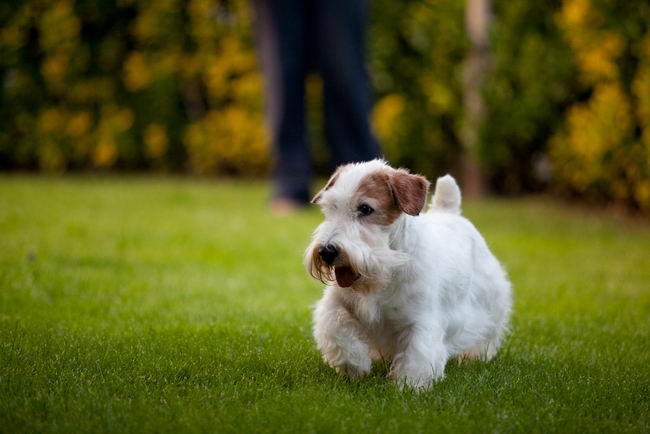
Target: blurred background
<point>513,96</point>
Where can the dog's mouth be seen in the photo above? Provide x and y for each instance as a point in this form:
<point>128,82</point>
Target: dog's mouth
<point>345,276</point>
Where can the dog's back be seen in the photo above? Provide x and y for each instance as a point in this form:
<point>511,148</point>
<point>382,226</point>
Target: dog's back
<point>478,276</point>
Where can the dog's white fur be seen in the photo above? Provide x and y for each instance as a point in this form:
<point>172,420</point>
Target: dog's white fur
<point>428,287</point>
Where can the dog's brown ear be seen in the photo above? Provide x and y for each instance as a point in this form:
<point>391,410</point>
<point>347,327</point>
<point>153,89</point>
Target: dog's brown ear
<point>409,191</point>
<point>329,184</point>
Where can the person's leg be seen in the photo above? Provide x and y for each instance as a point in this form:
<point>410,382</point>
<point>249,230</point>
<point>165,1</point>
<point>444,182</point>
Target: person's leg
<point>341,44</point>
<point>280,29</point>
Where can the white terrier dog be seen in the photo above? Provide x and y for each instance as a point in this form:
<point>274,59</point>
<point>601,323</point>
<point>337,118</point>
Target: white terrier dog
<point>417,289</point>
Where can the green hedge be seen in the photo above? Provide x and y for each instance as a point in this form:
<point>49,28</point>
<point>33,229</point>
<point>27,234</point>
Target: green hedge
<point>174,85</point>
<point>129,84</point>
<point>569,99</point>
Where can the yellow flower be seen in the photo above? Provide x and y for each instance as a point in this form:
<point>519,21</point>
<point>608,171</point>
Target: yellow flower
<point>642,194</point>
<point>574,12</point>
<point>123,119</point>
<point>386,116</point>
<point>51,120</point>
<point>155,139</point>
<point>596,49</point>
<point>136,72</point>
<point>78,124</point>
<point>59,27</point>
<point>11,37</point>
<point>593,129</point>
<point>54,68</point>
<point>106,152</point>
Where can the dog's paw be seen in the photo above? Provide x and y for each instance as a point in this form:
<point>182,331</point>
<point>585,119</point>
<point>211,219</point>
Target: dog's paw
<point>355,363</point>
<point>418,382</point>
<point>418,376</point>
<point>354,372</point>
<point>354,367</point>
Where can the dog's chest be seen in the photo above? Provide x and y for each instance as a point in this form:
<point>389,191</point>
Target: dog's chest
<point>379,311</point>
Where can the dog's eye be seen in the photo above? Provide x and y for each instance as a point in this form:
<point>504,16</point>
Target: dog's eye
<point>365,209</point>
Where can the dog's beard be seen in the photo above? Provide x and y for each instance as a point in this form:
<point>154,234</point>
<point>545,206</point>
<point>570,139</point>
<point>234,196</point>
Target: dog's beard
<point>316,267</point>
<point>363,269</point>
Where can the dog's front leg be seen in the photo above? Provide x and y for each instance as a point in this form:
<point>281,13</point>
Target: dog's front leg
<point>421,356</point>
<point>340,337</point>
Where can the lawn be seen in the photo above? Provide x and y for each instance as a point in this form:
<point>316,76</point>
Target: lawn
<point>172,305</point>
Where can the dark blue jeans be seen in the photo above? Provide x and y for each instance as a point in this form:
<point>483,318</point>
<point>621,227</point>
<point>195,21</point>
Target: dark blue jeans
<point>293,36</point>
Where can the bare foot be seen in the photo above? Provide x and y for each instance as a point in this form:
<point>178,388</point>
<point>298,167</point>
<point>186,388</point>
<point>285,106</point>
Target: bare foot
<point>282,207</point>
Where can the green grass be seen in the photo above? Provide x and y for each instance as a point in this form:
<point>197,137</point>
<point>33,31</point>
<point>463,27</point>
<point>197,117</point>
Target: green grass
<point>167,305</point>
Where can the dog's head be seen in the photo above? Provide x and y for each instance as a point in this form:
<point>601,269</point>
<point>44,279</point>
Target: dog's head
<point>362,204</point>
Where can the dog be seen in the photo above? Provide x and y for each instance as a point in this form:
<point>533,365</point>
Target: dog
<point>412,288</point>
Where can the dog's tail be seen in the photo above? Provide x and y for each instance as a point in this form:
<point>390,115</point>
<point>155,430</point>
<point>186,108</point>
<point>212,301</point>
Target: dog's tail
<point>447,195</point>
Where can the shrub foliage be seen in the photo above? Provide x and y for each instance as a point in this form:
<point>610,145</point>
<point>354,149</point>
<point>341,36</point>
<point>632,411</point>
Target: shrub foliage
<point>174,85</point>
<point>129,84</point>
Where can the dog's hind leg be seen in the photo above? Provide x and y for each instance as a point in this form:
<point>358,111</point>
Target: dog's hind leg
<point>489,349</point>
<point>483,352</point>
<point>474,354</point>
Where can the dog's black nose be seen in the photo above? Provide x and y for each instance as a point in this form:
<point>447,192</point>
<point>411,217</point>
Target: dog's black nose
<point>328,253</point>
